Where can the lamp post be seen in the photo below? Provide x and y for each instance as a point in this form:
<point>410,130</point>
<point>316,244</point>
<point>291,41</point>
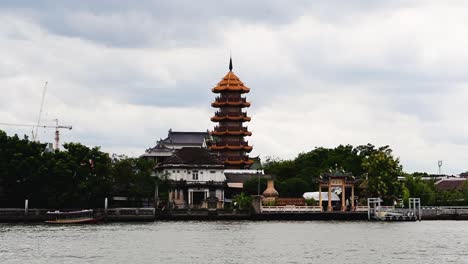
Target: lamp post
<point>258,175</point>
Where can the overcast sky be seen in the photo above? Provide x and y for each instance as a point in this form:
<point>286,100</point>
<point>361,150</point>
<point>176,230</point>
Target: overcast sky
<point>321,73</point>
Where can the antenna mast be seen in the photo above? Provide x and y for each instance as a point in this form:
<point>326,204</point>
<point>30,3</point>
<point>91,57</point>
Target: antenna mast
<point>439,163</point>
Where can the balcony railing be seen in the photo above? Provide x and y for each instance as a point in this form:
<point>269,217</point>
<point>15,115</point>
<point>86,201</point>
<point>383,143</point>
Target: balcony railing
<point>230,99</point>
<point>230,128</point>
<point>235,158</point>
<point>231,114</point>
<point>231,143</point>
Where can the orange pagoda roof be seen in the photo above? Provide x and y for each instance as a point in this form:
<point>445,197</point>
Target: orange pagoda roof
<point>231,83</point>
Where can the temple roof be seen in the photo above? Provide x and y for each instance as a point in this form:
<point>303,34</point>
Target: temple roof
<point>177,140</point>
<point>231,83</point>
<point>175,137</point>
<point>192,156</point>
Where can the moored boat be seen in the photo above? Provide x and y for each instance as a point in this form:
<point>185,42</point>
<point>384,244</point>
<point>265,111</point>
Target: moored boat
<point>75,217</point>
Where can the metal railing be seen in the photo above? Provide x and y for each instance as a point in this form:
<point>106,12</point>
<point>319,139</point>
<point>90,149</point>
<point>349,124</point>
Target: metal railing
<point>230,99</point>
<point>229,128</point>
<point>230,114</point>
<point>235,158</point>
<point>131,211</point>
<point>232,143</point>
<point>290,209</point>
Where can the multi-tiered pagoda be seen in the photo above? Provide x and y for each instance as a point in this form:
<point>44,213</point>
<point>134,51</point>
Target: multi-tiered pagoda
<point>229,134</point>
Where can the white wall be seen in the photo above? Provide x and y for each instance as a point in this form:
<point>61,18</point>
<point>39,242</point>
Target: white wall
<point>204,175</point>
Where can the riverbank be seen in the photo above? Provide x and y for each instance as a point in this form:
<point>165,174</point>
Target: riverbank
<point>150,215</point>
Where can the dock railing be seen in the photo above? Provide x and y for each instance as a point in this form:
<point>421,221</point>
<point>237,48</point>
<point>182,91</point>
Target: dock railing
<point>290,209</point>
<point>361,208</point>
<point>378,212</point>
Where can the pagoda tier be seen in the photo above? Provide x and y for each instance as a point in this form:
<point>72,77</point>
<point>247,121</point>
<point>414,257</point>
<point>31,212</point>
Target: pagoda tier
<point>237,160</point>
<point>230,130</point>
<point>230,116</point>
<point>229,142</point>
<point>230,101</point>
<point>231,145</point>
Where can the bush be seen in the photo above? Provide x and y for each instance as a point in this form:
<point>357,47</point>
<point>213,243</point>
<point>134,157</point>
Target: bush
<point>311,202</point>
<point>269,203</point>
<point>242,201</point>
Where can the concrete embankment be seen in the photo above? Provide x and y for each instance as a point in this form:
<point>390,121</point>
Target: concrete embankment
<point>111,215</point>
<point>203,215</point>
<point>445,213</point>
<point>150,214</point>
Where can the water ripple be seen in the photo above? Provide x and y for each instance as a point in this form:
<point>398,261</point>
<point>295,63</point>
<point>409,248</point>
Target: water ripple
<point>237,242</point>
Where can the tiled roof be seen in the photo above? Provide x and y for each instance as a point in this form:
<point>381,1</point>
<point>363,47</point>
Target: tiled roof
<point>231,82</point>
<point>450,184</point>
<point>192,156</point>
<point>186,137</point>
<point>239,177</point>
<point>181,139</point>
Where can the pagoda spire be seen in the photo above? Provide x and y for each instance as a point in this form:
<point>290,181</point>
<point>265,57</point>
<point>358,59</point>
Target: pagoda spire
<point>230,63</point>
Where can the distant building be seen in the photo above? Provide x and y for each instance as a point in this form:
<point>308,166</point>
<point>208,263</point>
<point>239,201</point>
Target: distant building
<point>196,178</point>
<point>176,140</point>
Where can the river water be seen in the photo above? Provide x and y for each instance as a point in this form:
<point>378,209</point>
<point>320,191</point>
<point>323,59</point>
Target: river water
<point>237,242</point>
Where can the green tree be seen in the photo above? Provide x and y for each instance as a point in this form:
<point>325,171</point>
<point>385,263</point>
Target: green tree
<point>133,178</point>
<point>294,187</point>
<point>251,186</point>
<point>382,170</point>
<point>415,186</point>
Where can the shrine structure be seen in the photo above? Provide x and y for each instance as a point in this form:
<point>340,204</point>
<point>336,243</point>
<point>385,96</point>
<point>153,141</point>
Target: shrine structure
<point>341,181</point>
<point>229,135</point>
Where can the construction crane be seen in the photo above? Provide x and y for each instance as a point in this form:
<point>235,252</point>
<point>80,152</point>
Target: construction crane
<point>57,127</point>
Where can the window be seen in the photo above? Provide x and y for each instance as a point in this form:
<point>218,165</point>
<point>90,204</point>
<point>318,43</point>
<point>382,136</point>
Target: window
<point>212,171</point>
<point>177,171</point>
<point>178,194</point>
<point>173,171</point>
<point>195,175</point>
<point>201,172</point>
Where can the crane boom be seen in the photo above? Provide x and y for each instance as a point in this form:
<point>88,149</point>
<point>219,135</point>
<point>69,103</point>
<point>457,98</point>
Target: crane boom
<point>31,125</point>
<point>40,111</point>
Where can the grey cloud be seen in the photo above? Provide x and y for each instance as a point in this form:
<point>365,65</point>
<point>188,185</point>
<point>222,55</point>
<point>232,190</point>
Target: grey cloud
<point>150,23</point>
<point>165,24</point>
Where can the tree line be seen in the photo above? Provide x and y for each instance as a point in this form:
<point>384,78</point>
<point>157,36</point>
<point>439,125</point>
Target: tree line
<point>80,177</point>
<point>378,171</point>
<point>77,177</point>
